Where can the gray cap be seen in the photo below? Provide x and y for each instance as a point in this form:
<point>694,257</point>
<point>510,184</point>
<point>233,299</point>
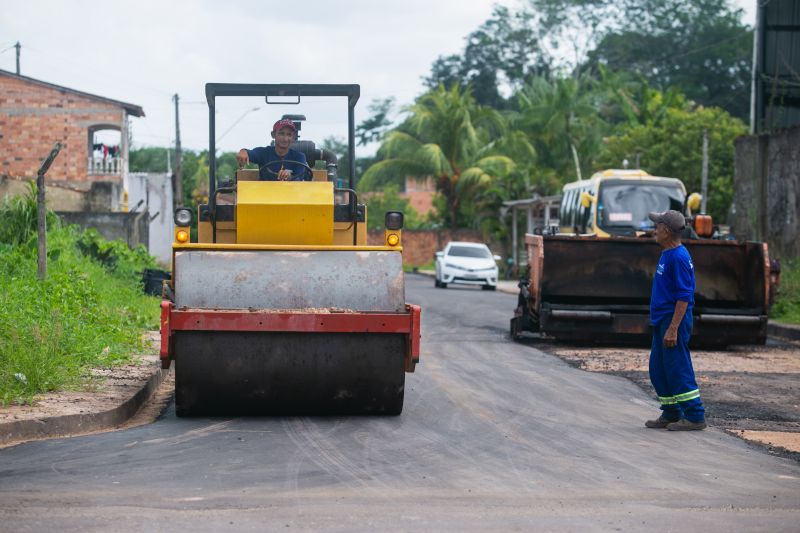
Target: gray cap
<point>671,219</point>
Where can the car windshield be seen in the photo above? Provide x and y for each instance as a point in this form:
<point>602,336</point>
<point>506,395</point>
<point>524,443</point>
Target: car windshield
<point>626,205</point>
<point>468,251</point>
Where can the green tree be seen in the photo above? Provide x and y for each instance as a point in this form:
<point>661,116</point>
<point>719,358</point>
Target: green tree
<point>449,136</point>
<point>699,46</point>
<point>339,147</point>
<point>628,100</point>
<point>560,118</point>
<point>504,51</point>
<point>150,159</point>
<point>378,203</point>
<point>673,148</point>
<point>374,127</point>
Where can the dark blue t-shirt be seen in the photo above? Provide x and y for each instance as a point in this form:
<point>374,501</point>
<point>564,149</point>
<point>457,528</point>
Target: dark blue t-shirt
<point>266,158</point>
<point>673,281</point>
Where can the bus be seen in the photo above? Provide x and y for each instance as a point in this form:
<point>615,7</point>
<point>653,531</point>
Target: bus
<point>617,202</point>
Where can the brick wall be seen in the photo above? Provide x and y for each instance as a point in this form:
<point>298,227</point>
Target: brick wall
<point>33,117</point>
<point>419,247</point>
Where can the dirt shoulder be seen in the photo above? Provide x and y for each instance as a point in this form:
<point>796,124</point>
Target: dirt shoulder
<point>750,391</point>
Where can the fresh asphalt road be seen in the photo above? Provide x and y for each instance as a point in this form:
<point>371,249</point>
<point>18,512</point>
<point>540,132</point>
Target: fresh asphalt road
<point>494,435</point>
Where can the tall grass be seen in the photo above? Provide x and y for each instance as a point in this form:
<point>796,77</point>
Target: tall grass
<point>18,222</point>
<point>787,304</point>
<point>85,314</point>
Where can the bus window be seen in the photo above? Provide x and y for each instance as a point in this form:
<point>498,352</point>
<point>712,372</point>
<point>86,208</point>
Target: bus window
<point>568,210</point>
<point>627,204</point>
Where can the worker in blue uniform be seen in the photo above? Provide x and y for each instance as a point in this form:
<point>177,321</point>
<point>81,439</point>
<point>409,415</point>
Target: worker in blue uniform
<point>671,304</point>
<point>278,162</point>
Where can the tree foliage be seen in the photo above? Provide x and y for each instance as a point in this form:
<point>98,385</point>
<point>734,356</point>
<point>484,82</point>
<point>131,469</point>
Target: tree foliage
<point>503,52</point>
<point>673,147</point>
<point>560,118</point>
<point>699,46</point>
<point>450,137</point>
<point>390,200</point>
<point>374,127</point>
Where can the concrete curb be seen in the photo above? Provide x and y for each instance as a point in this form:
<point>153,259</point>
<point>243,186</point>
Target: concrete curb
<point>784,331</point>
<point>78,424</point>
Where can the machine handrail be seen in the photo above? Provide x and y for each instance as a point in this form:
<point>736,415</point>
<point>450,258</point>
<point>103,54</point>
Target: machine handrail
<point>351,91</point>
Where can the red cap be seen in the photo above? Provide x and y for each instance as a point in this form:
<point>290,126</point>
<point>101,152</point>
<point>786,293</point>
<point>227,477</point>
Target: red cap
<point>284,123</point>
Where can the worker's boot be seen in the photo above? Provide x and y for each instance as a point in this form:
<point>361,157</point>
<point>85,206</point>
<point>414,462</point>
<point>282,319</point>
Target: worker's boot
<point>686,425</point>
<point>659,423</point>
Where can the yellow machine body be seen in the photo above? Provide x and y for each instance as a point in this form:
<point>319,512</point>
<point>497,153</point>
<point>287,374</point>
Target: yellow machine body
<point>284,212</point>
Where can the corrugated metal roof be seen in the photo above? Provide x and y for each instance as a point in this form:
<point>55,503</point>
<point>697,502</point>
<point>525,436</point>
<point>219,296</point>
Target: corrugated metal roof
<point>778,65</point>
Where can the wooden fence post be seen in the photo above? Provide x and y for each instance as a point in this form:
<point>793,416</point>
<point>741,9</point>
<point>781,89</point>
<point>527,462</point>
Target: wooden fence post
<point>41,211</point>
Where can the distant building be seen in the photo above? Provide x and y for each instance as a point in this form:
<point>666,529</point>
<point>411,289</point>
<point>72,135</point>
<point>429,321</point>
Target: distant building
<point>419,192</point>
<point>86,175</point>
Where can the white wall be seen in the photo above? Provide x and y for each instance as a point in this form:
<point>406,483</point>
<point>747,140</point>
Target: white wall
<point>156,191</point>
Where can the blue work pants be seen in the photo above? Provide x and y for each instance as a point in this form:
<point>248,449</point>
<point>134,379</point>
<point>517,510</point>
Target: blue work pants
<point>672,374</point>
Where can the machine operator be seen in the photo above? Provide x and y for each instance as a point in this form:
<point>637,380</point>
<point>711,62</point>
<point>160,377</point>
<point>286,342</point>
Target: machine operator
<point>278,161</point>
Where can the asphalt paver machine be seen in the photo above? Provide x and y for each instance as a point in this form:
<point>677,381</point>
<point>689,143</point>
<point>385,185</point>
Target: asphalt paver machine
<point>280,306</point>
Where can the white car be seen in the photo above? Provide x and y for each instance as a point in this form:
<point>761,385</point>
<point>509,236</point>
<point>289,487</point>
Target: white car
<point>469,263</point>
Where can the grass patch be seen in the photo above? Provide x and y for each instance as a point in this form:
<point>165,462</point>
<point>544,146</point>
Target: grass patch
<point>787,303</point>
<point>87,313</point>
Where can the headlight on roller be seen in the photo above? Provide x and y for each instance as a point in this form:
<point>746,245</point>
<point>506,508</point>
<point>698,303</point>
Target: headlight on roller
<point>183,217</point>
<point>393,220</point>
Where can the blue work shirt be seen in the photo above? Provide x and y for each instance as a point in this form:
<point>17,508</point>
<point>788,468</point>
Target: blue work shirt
<point>673,281</point>
<point>266,158</point>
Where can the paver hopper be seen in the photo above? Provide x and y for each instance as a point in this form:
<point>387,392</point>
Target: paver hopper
<point>281,307</point>
<point>592,281</point>
<point>598,289</point>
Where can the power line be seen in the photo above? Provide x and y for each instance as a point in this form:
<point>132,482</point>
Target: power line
<point>85,68</point>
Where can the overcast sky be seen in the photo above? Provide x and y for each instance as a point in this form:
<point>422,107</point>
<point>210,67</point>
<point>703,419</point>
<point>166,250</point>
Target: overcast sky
<point>144,51</point>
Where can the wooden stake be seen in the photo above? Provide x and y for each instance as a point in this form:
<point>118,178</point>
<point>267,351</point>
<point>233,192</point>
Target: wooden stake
<point>41,211</point>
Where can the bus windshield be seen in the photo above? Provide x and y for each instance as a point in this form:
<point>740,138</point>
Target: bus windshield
<point>623,206</point>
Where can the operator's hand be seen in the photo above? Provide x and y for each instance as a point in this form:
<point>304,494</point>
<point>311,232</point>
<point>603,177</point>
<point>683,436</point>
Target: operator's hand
<point>671,337</point>
<point>242,158</point>
<point>284,174</point>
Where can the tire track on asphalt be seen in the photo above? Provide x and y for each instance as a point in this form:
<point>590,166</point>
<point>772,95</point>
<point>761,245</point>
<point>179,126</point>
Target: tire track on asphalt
<point>304,434</point>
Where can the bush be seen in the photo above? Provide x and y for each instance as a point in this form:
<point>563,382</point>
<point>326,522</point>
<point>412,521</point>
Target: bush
<point>787,303</point>
<point>115,256</point>
<point>89,312</point>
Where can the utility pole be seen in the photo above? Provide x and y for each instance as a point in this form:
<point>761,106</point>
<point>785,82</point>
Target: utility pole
<point>178,200</point>
<point>17,46</point>
<point>41,211</point>
<point>704,179</point>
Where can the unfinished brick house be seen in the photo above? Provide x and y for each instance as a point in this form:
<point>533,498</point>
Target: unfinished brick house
<point>86,176</point>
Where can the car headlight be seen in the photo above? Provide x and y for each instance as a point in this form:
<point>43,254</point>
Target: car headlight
<point>183,216</point>
<point>457,267</point>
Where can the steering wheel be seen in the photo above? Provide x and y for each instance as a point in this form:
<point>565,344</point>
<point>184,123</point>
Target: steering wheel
<point>307,170</point>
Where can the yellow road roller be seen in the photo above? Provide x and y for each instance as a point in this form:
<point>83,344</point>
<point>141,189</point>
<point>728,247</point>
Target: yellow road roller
<point>279,306</point>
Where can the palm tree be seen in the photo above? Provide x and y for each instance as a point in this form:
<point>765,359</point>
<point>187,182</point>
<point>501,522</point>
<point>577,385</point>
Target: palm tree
<point>561,118</point>
<point>449,136</point>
